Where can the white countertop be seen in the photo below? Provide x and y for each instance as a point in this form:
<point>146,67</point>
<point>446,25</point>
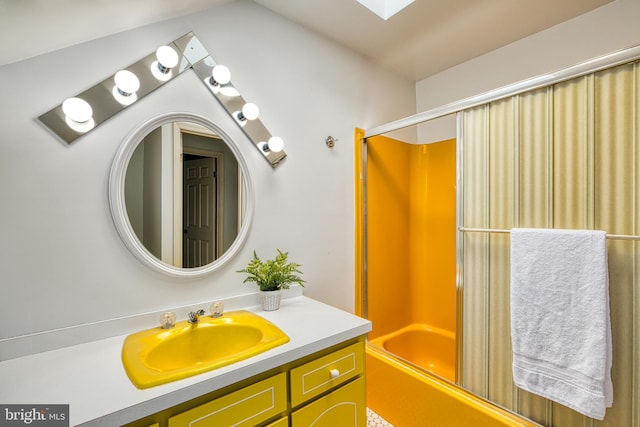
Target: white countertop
<point>91,379</point>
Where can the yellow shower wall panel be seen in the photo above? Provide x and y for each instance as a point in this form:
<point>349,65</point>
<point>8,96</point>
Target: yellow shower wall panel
<point>388,234</point>
<point>411,234</point>
<point>433,233</point>
<point>422,277</point>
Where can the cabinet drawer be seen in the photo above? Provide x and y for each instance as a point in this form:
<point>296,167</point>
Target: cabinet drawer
<point>345,407</point>
<point>248,406</point>
<point>322,374</point>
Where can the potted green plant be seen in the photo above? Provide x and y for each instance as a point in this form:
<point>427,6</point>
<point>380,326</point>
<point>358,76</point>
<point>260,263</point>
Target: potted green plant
<point>271,276</point>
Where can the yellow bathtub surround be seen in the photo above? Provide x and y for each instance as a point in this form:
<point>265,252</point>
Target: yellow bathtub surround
<point>157,356</point>
<point>91,379</point>
<point>410,229</point>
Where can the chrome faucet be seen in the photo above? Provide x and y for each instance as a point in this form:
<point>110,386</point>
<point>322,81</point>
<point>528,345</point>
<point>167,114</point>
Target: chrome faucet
<point>194,316</point>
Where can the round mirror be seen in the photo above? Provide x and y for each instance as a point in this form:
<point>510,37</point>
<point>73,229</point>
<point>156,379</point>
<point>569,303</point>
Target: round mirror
<point>181,195</point>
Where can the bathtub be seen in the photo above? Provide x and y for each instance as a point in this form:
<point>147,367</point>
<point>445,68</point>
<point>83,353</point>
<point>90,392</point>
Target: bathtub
<point>410,375</point>
<point>427,347</point>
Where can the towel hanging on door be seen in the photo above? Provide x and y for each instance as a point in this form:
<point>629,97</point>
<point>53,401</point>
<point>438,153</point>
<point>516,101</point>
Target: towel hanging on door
<point>560,321</point>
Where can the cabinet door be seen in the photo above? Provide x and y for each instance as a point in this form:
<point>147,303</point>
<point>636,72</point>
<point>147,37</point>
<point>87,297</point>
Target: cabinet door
<point>246,407</point>
<point>344,407</point>
<point>323,374</point>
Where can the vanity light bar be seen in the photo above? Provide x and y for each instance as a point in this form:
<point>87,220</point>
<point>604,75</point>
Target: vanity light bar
<point>81,113</point>
<point>235,104</point>
<point>115,93</point>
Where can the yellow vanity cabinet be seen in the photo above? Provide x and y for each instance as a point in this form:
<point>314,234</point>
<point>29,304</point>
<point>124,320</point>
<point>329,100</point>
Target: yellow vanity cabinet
<point>246,407</point>
<point>324,389</point>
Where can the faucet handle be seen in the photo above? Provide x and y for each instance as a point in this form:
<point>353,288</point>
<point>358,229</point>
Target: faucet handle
<point>168,320</point>
<point>216,309</point>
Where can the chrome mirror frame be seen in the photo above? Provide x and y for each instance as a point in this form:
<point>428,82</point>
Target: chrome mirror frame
<point>191,55</point>
<point>118,207</point>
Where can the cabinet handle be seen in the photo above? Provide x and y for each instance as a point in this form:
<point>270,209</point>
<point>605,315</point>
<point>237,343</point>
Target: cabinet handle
<point>334,373</point>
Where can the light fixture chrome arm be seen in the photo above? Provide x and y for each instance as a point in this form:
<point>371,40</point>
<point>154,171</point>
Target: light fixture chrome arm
<point>85,111</point>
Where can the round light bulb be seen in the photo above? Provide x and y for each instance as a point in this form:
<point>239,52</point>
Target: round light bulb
<point>276,144</point>
<point>221,75</point>
<point>250,111</point>
<point>127,82</point>
<point>77,109</point>
<point>167,57</point>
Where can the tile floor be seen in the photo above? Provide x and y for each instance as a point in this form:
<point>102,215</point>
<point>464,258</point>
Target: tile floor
<point>375,420</point>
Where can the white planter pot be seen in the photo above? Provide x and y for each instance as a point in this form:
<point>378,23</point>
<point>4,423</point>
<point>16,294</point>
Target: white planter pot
<point>270,300</point>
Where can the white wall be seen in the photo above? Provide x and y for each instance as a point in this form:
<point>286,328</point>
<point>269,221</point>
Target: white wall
<point>606,29</point>
<point>62,261</point>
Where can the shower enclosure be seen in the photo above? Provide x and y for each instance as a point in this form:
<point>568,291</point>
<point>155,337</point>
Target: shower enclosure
<point>556,151</point>
<point>409,199</point>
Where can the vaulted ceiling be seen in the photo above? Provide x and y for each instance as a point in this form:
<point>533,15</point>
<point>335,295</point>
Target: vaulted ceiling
<point>427,37</point>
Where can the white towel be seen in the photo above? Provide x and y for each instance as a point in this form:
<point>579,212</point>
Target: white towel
<point>560,322</point>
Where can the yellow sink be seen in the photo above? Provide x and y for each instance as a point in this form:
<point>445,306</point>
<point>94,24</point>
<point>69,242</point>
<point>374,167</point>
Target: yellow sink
<point>157,356</point>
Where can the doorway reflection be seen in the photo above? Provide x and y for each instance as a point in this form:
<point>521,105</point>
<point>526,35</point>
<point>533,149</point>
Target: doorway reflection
<point>184,194</point>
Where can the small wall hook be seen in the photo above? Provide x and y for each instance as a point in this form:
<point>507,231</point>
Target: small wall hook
<point>330,141</point>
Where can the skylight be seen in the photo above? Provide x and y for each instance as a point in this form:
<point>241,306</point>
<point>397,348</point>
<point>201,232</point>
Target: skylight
<point>385,9</point>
